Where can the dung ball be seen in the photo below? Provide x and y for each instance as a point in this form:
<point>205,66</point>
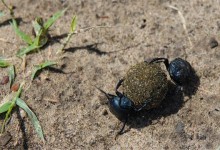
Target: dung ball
<point>145,82</point>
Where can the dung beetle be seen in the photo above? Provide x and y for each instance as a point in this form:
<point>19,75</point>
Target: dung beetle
<point>145,86</point>
<point>179,70</point>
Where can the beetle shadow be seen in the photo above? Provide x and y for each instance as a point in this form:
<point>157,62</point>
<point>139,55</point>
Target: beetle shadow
<point>192,86</point>
<point>172,103</point>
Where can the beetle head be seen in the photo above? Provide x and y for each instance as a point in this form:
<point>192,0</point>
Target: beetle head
<point>121,106</point>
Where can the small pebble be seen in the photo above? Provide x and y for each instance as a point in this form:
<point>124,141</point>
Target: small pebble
<point>105,112</point>
<point>180,127</point>
<point>213,43</point>
<point>15,87</point>
<point>201,136</point>
<point>5,80</point>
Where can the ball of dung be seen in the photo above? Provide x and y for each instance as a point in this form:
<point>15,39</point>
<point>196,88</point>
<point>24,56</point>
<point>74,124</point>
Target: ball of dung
<point>145,82</point>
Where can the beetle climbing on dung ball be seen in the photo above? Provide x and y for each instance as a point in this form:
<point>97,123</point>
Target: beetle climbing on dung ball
<point>145,85</point>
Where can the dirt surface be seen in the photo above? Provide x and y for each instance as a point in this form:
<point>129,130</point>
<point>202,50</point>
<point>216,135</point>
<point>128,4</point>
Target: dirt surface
<point>73,113</point>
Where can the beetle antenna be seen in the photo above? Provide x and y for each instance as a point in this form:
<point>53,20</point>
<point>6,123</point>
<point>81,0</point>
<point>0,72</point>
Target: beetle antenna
<point>109,96</point>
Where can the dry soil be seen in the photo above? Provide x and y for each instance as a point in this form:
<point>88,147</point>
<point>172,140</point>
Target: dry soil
<point>74,114</point>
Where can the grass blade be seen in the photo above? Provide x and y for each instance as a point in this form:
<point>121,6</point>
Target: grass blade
<point>3,63</point>
<point>40,67</point>
<point>26,50</point>
<point>37,25</point>
<point>73,25</point>
<point>42,40</point>
<point>5,107</point>
<point>47,64</point>
<point>71,33</point>
<point>11,75</point>
<point>20,33</point>
<point>13,103</point>
<point>51,20</point>
<point>32,117</point>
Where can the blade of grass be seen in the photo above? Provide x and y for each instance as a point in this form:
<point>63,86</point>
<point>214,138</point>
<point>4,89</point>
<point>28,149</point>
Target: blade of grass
<point>13,103</point>
<point>3,63</point>
<point>26,50</point>
<point>40,67</point>
<point>72,30</point>
<point>38,25</point>
<point>4,107</point>
<point>37,39</point>
<point>20,33</point>
<point>73,25</point>
<point>41,33</point>
<point>51,20</point>
<point>37,43</point>
<point>11,75</point>
<point>32,117</point>
<point>42,40</point>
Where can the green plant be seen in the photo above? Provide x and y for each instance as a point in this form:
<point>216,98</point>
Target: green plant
<point>40,67</point>
<point>32,117</point>
<point>41,29</point>
<point>10,8</point>
<point>41,33</point>
<point>11,74</point>
<point>70,34</point>
<point>10,104</point>
<point>41,36</point>
<point>4,63</point>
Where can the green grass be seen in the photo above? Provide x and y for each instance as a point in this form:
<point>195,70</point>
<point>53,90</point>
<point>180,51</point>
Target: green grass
<point>72,30</point>
<point>33,44</point>
<point>40,67</point>
<point>32,117</point>
<point>9,7</point>
<point>5,107</point>
<point>11,75</point>
<point>9,105</point>
<point>41,33</point>
<point>4,63</point>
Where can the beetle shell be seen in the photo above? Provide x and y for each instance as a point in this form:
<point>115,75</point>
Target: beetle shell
<point>145,81</point>
<point>180,71</point>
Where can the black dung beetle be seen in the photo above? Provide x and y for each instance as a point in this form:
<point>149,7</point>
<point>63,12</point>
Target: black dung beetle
<point>180,70</point>
<point>135,83</point>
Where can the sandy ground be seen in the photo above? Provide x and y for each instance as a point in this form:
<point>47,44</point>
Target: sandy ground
<point>73,113</point>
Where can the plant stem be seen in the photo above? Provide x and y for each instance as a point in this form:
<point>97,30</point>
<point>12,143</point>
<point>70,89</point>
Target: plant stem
<point>9,8</point>
<point>66,42</point>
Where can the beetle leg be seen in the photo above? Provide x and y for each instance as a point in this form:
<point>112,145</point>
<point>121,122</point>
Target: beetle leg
<point>164,60</point>
<point>143,106</point>
<point>122,129</point>
<point>119,84</point>
<point>119,94</point>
